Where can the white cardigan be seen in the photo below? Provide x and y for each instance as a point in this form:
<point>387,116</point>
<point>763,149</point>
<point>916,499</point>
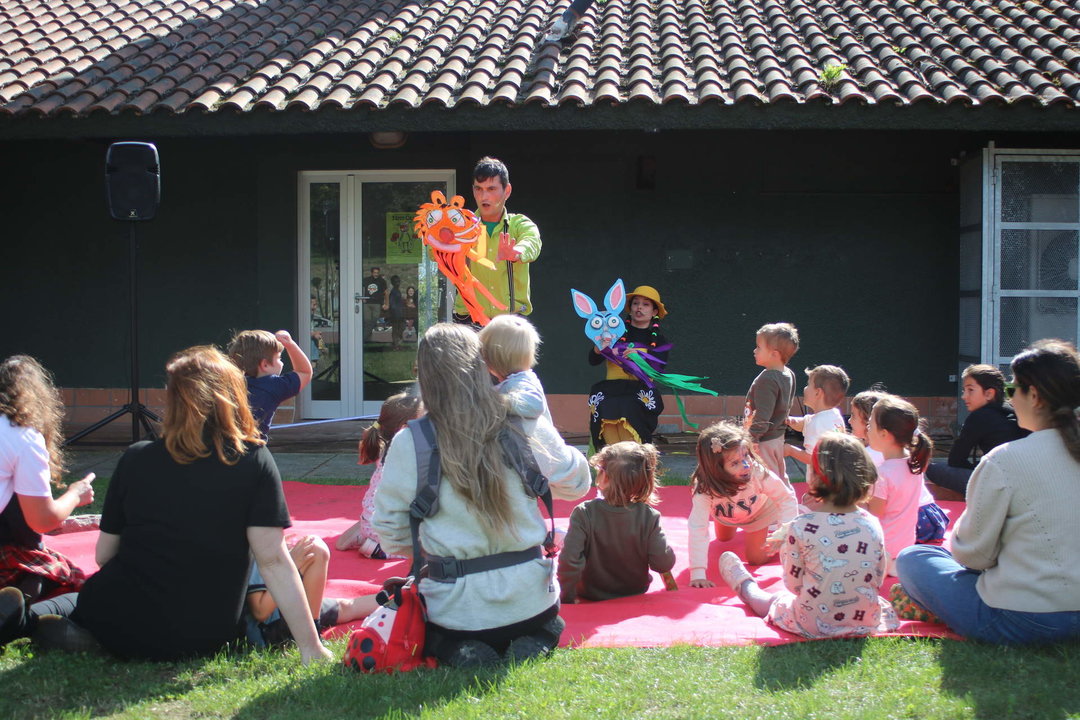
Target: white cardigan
<point>1020,527</point>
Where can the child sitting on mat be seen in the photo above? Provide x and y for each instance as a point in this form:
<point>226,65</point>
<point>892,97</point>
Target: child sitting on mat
<point>826,386</point>
<point>900,498</point>
<point>733,487</point>
<point>395,412</point>
<point>264,624</point>
<point>834,559</point>
<point>861,407</point>
<point>614,540</point>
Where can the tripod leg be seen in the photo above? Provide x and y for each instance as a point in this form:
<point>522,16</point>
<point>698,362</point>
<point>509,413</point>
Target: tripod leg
<point>99,424</point>
<point>145,416</point>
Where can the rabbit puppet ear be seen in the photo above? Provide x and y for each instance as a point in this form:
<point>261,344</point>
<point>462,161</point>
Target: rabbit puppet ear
<point>615,300</point>
<point>583,304</point>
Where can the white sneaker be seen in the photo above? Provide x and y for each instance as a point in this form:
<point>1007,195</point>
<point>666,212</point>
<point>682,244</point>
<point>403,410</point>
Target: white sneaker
<point>733,571</point>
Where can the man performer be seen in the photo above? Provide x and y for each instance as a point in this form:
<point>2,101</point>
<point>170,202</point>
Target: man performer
<point>510,240</point>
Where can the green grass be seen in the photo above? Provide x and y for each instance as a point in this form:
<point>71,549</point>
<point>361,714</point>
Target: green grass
<point>872,678</point>
<point>878,678</point>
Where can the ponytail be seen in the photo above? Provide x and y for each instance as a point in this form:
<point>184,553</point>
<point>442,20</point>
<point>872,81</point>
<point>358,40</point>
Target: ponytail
<point>920,449</point>
<point>371,445</point>
<point>1067,422</point>
<point>396,411</point>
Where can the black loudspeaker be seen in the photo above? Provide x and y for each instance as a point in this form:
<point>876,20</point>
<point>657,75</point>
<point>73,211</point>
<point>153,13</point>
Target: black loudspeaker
<point>133,178</point>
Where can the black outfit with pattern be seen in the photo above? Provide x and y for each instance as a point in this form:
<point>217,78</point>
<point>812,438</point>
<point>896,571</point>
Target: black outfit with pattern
<point>629,399</point>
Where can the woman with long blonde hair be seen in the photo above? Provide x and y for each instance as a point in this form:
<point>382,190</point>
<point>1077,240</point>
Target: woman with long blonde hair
<point>509,607</point>
<point>31,460</point>
<point>182,517</point>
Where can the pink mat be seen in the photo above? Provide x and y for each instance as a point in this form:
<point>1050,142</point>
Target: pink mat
<point>705,616</point>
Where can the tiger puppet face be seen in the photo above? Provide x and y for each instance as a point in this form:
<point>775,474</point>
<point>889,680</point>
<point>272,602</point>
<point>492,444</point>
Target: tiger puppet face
<point>447,226</point>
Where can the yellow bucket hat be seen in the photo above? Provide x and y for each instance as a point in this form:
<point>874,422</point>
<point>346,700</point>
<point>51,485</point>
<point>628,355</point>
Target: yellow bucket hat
<point>649,292</point>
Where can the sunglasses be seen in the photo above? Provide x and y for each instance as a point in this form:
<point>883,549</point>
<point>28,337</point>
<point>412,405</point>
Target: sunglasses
<point>1010,389</point>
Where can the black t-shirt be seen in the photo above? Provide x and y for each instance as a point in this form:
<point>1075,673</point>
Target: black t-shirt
<point>374,289</point>
<point>177,584</point>
<point>397,304</point>
<point>985,429</point>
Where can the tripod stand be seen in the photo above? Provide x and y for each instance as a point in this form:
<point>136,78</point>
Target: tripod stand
<point>140,414</point>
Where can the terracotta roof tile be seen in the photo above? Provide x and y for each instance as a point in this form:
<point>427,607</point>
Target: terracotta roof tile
<point>85,56</point>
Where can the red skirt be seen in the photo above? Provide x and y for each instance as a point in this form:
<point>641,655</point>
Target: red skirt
<point>18,562</point>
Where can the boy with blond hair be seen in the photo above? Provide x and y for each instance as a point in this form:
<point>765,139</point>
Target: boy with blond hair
<point>771,394</point>
<point>508,345</point>
<point>258,354</point>
<point>826,387</point>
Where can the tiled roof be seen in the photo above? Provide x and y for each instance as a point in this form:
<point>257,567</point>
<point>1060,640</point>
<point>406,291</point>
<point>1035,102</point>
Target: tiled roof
<point>118,57</point>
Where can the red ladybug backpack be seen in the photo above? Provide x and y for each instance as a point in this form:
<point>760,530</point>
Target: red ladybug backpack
<point>391,638</point>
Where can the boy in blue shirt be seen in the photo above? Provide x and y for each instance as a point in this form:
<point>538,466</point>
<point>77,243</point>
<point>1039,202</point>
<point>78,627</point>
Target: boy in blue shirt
<point>258,354</point>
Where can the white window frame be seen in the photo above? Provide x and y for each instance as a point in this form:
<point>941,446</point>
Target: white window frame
<point>992,291</point>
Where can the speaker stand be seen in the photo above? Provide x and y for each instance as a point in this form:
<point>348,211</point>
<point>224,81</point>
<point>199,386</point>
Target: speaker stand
<point>141,416</point>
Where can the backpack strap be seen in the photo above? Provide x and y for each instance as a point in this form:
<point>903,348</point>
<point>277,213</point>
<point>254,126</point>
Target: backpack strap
<point>448,569</point>
<point>428,468</point>
<point>518,453</point>
<point>428,476</point>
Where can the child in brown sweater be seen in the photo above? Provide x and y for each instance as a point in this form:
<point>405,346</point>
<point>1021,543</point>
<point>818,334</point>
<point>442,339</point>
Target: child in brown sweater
<point>614,540</point>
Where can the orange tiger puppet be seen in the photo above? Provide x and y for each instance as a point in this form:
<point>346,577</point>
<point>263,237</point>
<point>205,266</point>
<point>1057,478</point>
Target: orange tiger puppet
<point>451,231</point>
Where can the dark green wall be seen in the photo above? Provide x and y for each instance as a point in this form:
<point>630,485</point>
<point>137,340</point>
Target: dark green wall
<point>850,235</point>
<point>69,261</point>
<point>220,255</point>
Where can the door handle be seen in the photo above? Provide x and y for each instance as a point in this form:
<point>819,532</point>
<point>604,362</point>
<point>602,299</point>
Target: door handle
<point>356,303</point>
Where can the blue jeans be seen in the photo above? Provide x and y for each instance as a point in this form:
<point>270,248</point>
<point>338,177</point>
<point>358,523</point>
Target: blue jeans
<point>947,476</point>
<point>946,588</point>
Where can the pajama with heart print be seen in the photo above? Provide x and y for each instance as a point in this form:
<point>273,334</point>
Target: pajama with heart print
<point>834,564</point>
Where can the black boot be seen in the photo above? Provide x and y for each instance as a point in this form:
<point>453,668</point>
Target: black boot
<point>60,633</point>
<point>12,615</point>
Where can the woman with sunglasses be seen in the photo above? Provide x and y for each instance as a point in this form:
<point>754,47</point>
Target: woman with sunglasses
<point>1013,577</point>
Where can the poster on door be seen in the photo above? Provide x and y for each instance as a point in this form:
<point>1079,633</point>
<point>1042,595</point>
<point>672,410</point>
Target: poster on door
<point>402,245</point>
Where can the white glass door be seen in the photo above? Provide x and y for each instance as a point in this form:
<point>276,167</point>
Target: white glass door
<point>371,289</point>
